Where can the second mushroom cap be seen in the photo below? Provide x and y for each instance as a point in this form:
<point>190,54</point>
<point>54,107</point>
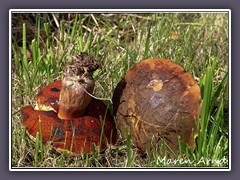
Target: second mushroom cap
<point>159,102</point>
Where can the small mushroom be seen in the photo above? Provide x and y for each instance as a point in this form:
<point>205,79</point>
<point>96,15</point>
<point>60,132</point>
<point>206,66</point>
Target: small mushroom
<point>159,102</point>
<point>70,119</point>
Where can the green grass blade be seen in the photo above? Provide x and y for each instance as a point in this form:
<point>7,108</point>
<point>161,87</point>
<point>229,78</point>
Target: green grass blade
<point>41,140</point>
<point>25,60</point>
<point>74,28</point>
<point>38,32</point>
<point>88,43</point>
<point>47,30</point>
<point>215,128</point>
<point>147,43</point>
<point>219,90</point>
<point>129,151</point>
<point>36,150</point>
<point>207,96</point>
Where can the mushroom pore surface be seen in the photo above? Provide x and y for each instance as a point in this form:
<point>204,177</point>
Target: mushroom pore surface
<point>75,135</point>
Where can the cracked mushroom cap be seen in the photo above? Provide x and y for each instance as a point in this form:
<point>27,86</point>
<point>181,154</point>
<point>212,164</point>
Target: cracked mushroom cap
<point>159,101</point>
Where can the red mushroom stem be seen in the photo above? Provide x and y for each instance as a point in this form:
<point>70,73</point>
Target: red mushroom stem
<point>77,79</point>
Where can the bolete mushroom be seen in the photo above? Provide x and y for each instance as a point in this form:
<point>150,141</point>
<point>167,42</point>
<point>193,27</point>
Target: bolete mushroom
<point>159,102</point>
<point>68,117</point>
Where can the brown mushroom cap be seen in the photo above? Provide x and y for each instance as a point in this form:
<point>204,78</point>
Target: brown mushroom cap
<point>159,101</point>
<point>75,135</point>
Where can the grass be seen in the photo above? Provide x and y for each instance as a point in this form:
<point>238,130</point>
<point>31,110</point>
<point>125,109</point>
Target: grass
<point>197,41</point>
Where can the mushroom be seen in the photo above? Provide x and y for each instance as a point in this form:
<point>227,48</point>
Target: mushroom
<point>158,101</point>
<point>70,119</point>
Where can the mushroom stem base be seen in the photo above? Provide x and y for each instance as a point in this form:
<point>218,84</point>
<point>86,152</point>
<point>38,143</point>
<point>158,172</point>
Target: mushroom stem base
<point>69,112</point>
